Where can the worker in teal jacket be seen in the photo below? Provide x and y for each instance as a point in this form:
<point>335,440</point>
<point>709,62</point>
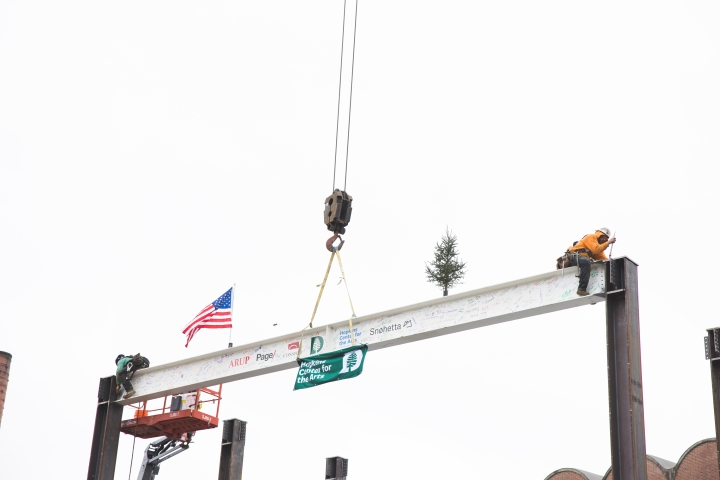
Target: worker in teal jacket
<point>121,375</point>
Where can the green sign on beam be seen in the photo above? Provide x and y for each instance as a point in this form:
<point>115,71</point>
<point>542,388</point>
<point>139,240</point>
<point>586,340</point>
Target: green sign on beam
<point>329,367</point>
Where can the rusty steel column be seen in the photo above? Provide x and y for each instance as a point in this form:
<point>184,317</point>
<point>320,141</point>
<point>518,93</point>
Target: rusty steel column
<point>712,353</point>
<point>5,359</point>
<point>106,435</point>
<point>627,419</point>
<point>232,450</point>
<point>336,468</point>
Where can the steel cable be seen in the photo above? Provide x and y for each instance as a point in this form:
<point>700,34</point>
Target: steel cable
<point>352,76</point>
<point>337,120</point>
<point>132,455</point>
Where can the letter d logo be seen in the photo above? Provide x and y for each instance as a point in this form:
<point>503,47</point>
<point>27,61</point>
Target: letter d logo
<point>352,361</point>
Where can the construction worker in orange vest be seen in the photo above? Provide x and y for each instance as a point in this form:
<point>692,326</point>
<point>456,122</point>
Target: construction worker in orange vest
<point>587,250</point>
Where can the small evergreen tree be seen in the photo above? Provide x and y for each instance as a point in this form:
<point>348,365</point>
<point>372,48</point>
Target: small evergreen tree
<point>446,270</point>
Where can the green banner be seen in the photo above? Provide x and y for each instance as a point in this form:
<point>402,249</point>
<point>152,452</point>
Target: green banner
<point>329,367</point>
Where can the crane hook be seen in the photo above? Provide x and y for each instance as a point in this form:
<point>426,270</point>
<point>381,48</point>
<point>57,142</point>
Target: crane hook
<point>329,244</point>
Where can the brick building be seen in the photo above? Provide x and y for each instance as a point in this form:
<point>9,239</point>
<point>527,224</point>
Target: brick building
<point>699,462</point>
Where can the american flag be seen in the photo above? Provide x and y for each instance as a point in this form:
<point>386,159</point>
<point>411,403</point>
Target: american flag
<point>216,315</point>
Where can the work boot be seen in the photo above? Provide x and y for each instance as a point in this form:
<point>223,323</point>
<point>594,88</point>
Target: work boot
<point>580,291</point>
<point>129,394</point>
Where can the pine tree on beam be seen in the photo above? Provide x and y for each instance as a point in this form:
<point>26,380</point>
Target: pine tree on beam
<point>446,270</point>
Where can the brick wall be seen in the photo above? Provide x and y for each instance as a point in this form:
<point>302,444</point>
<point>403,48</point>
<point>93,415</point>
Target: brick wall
<point>567,474</point>
<point>654,472</point>
<point>4,378</point>
<point>699,462</point>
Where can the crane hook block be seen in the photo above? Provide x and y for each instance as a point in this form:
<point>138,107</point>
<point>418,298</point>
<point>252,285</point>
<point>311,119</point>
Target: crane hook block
<point>338,208</point>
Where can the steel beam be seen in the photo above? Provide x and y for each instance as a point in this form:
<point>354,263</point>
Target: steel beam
<point>627,422</point>
<point>336,468</point>
<point>106,435</point>
<point>514,300</point>
<point>232,450</point>
<point>712,353</point>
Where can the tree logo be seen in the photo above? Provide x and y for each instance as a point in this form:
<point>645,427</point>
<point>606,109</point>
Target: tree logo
<point>316,345</point>
<point>352,361</point>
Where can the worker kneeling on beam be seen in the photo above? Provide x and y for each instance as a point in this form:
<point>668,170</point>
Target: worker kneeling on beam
<point>591,248</point>
<point>127,365</point>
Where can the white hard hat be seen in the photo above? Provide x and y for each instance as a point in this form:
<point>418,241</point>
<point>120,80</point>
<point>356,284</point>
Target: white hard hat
<point>604,230</point>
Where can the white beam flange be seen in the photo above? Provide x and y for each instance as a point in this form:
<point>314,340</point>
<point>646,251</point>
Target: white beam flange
<point>544,293</point>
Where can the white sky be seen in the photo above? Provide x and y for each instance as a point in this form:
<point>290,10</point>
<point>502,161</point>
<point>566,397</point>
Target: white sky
<point>151,155</point>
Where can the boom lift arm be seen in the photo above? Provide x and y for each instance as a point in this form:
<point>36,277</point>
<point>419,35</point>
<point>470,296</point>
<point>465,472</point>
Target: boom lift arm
<point>159,451</point>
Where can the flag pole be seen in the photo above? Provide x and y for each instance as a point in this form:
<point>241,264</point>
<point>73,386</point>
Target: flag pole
<point>232,310</point>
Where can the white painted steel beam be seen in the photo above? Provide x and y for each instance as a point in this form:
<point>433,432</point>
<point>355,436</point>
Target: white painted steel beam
<point>549,292</point>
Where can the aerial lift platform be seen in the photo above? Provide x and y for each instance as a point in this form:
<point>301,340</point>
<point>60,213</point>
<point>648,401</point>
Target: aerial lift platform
<point>182,414</point>
<point>176,422</point>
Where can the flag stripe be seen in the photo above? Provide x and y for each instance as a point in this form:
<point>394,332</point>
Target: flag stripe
<point>216,315</point>
<point>200,323</point>
<point>224,314</point>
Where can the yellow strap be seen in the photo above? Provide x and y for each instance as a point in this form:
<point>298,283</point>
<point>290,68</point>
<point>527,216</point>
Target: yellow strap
<point>317,303</point>
<point>322,288</point>
<point>352,333</point>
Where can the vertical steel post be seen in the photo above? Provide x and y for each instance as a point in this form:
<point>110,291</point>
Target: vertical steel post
<point>336,468</point>
<point>627,422</point>
<point>232,450</point>
<point>712,353</point>
<point>106,435</point>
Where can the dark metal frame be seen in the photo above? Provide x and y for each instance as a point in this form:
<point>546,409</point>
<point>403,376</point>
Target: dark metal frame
<point>336,468</point>
<point>712,353</point>
<point>625,389</point>
<point>106,434</point>
<point>232,450</point>
<point>627,423</point>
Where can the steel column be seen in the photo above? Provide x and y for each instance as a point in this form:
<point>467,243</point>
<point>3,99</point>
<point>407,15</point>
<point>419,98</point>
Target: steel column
<point>627,422</point>
<point>106,435</point>
<point>712,353</point>
<point>232,451</point>
<point>336,468</point>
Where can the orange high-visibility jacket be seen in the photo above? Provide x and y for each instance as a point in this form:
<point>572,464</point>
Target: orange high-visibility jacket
<point>591,243</point>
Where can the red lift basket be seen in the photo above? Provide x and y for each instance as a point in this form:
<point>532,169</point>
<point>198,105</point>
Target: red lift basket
<point>173,424</point>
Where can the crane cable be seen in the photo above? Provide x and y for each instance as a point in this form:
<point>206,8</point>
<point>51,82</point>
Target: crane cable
<point>335,251</point>
<point>352,76</point>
